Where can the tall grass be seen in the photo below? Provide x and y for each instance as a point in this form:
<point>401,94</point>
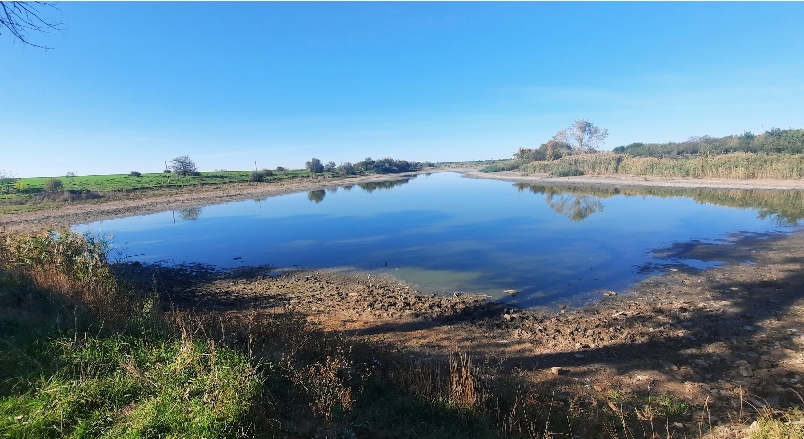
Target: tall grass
<point>731,166</point>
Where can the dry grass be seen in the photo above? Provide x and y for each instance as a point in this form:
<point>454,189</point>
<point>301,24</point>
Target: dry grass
<point>730,166</point>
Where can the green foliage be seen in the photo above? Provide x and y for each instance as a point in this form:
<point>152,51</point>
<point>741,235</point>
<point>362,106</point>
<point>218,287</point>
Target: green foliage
<point>315,166</point>
<point>135,174</point>
<point>257,176</point>
<point>508,165</point>
<point>773,141</point>
<point>566,172</point>
<point>53,185</point>
<point>789,426</point>
<point>346,168</point>
<point>387,165</point>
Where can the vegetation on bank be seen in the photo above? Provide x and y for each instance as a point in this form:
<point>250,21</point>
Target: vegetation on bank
<point>775,154</point>
<point>28,194</point>
<point>729,166</point>
<point>785,207</point>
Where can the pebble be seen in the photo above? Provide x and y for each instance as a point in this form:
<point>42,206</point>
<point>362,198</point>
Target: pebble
<point>558,371</point>
<point>668,365</point>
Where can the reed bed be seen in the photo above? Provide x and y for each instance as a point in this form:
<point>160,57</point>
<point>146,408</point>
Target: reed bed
<point>740,166</point>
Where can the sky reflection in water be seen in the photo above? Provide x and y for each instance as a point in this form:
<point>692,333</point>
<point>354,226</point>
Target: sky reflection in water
<point>447,233</point>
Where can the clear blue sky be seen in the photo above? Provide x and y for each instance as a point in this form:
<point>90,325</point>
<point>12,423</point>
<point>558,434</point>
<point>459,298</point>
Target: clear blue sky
<point>131,85</point>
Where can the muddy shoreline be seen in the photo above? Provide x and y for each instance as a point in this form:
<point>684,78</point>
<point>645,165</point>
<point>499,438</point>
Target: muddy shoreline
<point>623,181</point>
<point>709,337</point>
<point>157,200</point>
<point>706,337</point>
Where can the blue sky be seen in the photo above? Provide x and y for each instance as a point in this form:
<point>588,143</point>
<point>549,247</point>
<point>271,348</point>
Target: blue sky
<point>131,85</point>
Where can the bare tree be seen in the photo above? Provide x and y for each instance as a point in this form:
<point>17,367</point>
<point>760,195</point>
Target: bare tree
<point>582,136</point>
<point>183,165</point>
<point>24,18</point>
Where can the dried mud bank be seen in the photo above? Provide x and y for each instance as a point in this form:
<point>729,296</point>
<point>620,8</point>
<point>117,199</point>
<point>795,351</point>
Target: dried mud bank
<point>718,339</point>
<point>633,181</point>
<point>161,200</point>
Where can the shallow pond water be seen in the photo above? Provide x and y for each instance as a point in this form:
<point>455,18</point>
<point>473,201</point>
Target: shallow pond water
<point>447,233</point>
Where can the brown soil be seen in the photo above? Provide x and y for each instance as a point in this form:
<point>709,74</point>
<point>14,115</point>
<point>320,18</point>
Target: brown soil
<point>718,338</point>
<point>703,336</point>
<point>635,181</point>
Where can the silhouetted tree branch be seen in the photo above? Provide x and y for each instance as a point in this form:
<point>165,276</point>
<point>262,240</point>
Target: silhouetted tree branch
<point>24,18</point>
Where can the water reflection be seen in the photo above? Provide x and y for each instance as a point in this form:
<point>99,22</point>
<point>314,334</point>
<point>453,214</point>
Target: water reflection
<point>446,233</point>
<point>190,214</point>
<point>317,196</point>
<point>374,185</point>
<point>784,208</point>
<point>574,207</point>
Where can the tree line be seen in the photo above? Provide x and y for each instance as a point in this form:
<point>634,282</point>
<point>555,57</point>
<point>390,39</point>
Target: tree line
<point>385,165</point>
<point>773,141</point>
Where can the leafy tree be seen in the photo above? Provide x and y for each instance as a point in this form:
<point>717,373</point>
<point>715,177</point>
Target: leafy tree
<point>135,174</point>
<point>330,167</point>
<point>280,170</point>
<point>346,168</point>
<point>53,185</point>
<point>582,136</point>
<point>183,165</point>
<point>314,166</point>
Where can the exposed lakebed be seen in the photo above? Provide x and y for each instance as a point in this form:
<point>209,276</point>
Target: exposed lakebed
<point>449,234</point>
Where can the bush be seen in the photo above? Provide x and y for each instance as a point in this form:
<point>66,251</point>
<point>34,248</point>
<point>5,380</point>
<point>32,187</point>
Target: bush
<point>571,172</point>
<point>256,176</point>
<point>167,171</point>
<point>135,174</point>
<point>509,165</point>
<point>53,185</point>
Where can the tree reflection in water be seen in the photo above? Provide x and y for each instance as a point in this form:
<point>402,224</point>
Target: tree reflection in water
<point>190,214</point>
<point>317,196</point>
<point>574,207</point>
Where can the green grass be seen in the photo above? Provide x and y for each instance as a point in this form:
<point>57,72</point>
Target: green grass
<point>120,182</point>
<point>116,186</point>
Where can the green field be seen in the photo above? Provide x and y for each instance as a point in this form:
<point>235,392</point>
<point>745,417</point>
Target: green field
<point>29,194</point>
<point>121,182</point>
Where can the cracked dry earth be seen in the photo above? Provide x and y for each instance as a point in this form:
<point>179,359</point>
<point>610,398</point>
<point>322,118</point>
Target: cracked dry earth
<point>708,337</point>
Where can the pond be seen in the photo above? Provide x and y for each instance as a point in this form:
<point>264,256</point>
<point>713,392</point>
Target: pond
<point>446,233</point>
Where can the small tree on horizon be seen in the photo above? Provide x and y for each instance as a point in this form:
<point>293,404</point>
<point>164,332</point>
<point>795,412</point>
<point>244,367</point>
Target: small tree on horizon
<point>183,165</point>
<point>582,136</point>
<point>314,166</point>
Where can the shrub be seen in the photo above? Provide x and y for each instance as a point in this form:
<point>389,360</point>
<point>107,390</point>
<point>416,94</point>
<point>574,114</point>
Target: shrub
<point>135,174</point>
<point>256,176</point>
<point>167,171</point>
<point>571,172</point>
<point>53,185</point>
<point>509,165</point>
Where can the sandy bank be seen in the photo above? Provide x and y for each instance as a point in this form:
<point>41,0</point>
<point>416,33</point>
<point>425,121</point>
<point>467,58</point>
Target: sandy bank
<point>634,181</point>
